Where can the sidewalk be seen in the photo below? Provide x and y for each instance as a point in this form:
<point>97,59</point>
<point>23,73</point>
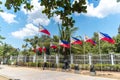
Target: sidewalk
<point>22,73</point>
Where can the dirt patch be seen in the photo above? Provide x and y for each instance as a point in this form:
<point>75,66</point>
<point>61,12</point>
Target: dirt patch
<point>3,78</point>
<point>106,74</point>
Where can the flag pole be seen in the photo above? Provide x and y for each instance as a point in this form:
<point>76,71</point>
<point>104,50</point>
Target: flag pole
<point>71,56</point>
<point>58,52</point>
<point>84,51</point>
<point>100,51</point>
<point>58,45</point>
<point>59,40</point>
<point>37,53</point>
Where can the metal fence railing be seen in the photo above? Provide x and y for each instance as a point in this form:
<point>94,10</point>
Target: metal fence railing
<point>74,59</point>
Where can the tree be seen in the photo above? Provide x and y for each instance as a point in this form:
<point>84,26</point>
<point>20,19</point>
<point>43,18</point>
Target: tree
<point>77,49</point>
<point>16,4</point>
<point>65,34</point>
<point>0,7</point>
<point>95,49</point>
<point>1,38</point>
<point>105,47</point>
<point>34,42</point>
<point>54,41</point>
<point>6,51</point>
<point>118,0</point>
<point>117,44</point>
<point>29,44</point>
<point>63,8</point>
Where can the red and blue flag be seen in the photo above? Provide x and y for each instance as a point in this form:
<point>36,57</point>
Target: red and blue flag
<point>64,43</point>
<point>87,39</point>
<point>53,46</point>
<point>106,37</point>
<point>44,30</point>
<point>44,49</point>
<point>75,41</point>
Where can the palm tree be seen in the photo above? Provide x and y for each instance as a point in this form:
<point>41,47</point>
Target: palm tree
<point>1,38</point>
<point>6,51</point>
<point>117,44</point>
<point>65,34</point>
<point>41,41</point>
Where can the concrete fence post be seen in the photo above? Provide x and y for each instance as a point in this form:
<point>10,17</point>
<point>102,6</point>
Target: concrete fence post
<point>11,57</point>
<point>112,58</point>
<point>18,58</point>
<point>90,61</point>
<point>57,59</point>
<point>45,57</point>
<point>34,58</point>
<point>71,58</point>
<point>25,59</point>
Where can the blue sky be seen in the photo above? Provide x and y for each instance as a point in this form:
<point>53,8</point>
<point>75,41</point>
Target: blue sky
<point>102,15</point>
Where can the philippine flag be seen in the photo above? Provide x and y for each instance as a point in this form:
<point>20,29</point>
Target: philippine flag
<point>39,49</point>
<point>75,41</point>
<point>44,49</point>
<point>53,46</point>
<point>87,39</point>
<point>64,43</point>
<point>33,49</point>
<point>44,30</point>
<point>106,37</point>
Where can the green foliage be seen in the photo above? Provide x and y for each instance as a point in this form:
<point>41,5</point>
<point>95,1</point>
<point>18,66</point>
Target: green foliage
<point>118,0</point>
<point>1,38</point>
<point>31,64</point>
<point>7,50</point>
<point>40,41</point>
<point>34,42</point>
<point>64,8</point>
<point>0,7</point>
<point>25,52</point>
<point>55,38</point>
<point>65,34</point>
<point>16,4</point>
<point>107,67</point>
<point>38,53</point>
<point>105,47</point>
<point>75,49</point>
<point>117,44</point>
<point>0,2</point>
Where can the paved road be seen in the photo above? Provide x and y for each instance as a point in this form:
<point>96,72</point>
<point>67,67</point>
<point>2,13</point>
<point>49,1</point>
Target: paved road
<point>36,74</point>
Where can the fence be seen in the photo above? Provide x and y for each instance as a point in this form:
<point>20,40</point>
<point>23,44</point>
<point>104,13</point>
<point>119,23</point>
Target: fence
<point>74,59</point>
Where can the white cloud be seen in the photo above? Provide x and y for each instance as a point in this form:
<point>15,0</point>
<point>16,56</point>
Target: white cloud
<point>8,17</point>
<point>105,8</point>
<point>57,19</point>
<point>36,16</point>
<point>28,30</point>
